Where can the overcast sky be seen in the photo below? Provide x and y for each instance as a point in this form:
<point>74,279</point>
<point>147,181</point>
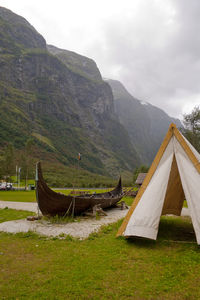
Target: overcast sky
<point>151,46</point>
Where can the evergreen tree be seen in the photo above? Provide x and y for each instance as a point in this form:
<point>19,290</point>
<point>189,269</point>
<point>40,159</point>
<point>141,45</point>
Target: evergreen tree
<point>192,127</point>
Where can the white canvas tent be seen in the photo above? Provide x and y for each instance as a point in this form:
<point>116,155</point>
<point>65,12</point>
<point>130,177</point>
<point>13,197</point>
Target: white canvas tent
<point>173,176</point>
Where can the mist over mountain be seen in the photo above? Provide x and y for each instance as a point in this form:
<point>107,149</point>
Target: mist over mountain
<point>146,124</point>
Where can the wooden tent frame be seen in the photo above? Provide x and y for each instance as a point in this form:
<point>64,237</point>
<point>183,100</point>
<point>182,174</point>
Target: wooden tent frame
<point>171,131</point>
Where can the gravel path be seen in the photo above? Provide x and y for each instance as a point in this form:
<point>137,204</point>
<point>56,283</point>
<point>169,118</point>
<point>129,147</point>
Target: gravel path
<point>29,206</point>
<point>80,229</point>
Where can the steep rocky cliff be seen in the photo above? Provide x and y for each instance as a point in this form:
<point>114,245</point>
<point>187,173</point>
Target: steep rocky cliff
<point>78,63</point>
<point>16,33</point>
<point>59,100</point>
<point>146,124</point>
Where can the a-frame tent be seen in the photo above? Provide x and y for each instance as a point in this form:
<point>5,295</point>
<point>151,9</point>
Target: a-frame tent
<point>173,176</point>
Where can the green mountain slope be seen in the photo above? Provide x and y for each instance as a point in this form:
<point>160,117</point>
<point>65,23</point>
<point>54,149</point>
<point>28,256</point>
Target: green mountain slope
<point>65,110</point>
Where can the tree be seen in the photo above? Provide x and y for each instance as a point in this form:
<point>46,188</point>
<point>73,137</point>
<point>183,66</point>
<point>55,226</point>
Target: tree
<point>8,162</point>
<point>1,167</point>
<point>26,160</point>
<point>192,127</point>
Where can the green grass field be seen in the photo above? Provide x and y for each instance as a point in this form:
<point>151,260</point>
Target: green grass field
<point>12,214</point>
<point>21,196</point>
<point>102,266</point>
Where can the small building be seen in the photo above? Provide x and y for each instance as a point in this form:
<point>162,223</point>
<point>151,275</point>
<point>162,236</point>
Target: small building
<point>140,178</point>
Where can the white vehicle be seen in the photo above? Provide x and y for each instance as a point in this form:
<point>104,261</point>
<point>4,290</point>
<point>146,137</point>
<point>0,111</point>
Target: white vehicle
<point>3,186</point>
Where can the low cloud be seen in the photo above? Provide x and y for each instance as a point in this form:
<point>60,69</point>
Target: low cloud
<point>155,54</point>
<point>152,47</point>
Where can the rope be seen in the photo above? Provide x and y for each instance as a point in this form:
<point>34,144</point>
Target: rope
<point>73,206</point>
<point>127,191</point>
<point>68,209</point>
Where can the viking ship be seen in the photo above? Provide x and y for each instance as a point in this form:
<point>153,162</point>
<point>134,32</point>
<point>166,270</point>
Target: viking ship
<point>51,203</point>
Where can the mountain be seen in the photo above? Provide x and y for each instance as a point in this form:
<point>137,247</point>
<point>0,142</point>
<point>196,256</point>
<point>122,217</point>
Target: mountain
<point>16,33</point>
<point>146,124</point>
<point>76,62</point>
<point>58,98</point>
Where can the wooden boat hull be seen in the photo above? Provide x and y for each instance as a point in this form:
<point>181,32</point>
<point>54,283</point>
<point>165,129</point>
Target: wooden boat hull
<point>51,203</point>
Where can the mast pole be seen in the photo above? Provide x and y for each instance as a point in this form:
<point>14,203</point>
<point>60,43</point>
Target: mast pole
<point>36,187</point>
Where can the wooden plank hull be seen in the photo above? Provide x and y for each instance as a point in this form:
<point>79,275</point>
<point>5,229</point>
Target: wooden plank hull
<point>51,203</point>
